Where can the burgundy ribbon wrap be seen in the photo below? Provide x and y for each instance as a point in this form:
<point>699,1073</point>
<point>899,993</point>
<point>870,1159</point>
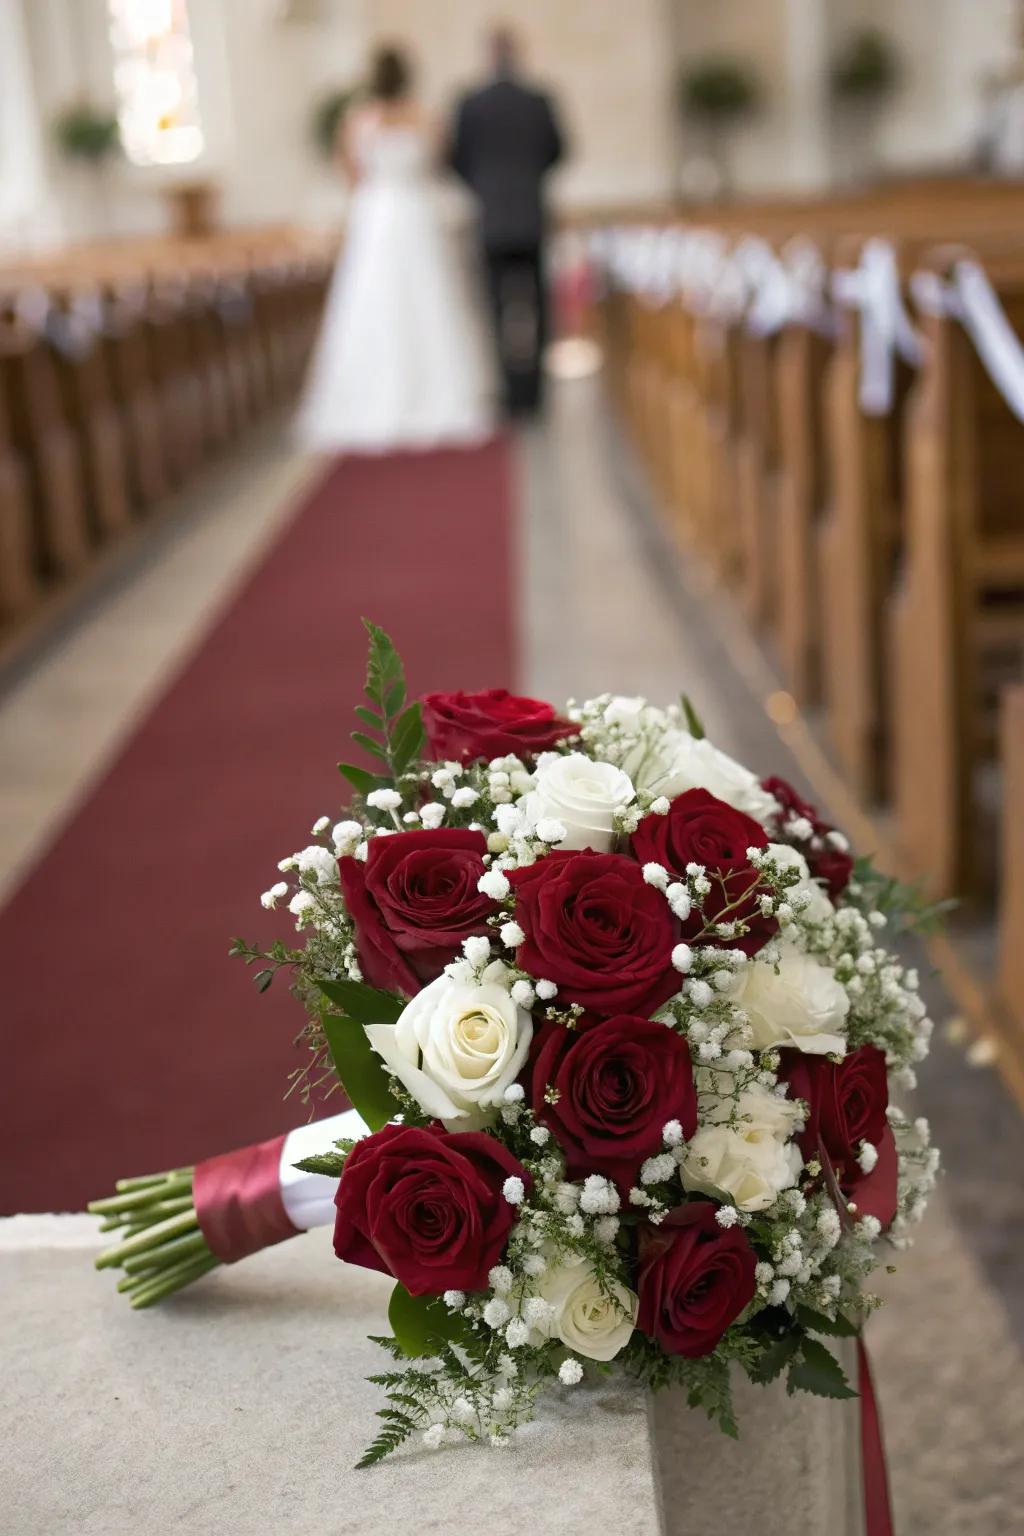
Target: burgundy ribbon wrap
<point>238,1201</point>
<point>877,1509</point>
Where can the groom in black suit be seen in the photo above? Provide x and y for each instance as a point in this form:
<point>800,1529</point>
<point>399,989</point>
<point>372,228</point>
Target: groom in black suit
<point>506,138</point>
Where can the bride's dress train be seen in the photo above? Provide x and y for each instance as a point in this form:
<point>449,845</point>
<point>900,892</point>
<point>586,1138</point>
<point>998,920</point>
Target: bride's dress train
<point>402,359</point>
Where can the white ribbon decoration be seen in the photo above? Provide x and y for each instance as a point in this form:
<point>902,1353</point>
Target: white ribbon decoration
<point>308,1198</point>
<point>970,298</point>
<point>997,343</point>
<point>886,329</point>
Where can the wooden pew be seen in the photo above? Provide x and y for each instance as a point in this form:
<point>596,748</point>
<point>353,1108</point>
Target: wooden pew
<point>207,362</point>
<point>165,324</point>
<point>19,583</point>
<point>804,490</point>
<point>1011,901</point>
<point>956,621</point>
<point>126,352</point>
<point>757,466</point>
<point>75,334</point>
<point>43,439</point>
<point>858,543</point>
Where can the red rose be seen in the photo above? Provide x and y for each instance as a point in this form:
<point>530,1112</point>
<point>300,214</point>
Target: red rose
<point>847,1102</point>
<point>494,723</point>
<point>694,1278</point>
<point>826,862</point>
<point>833,865</point>
<point>619,1081</point>
<point>597,930</point>
<point>701,829</point>
<point>792,803</point>
<point>413,902</point>
<point>426,1206</point>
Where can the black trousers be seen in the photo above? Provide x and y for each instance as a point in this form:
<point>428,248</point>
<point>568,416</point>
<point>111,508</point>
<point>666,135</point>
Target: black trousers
<point>515,279</point>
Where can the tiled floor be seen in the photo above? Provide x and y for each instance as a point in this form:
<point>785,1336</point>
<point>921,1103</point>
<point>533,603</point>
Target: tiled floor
<point>605,606</point>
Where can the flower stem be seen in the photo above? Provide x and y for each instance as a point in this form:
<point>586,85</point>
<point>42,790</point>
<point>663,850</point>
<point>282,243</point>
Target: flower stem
<point>189,1245</point>
<point>168,1188</point>
<point>174,1226</point>
<point>162,1247</point>
<point>173,1279</point>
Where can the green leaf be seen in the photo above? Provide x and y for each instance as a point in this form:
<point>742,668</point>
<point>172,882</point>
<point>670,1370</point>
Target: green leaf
<point>360,1070</point>
<point>816,1322</point>
<point>369,745</point>
<point>332,1164</point>
<point>773,1361</point>
<point>262,980</point>
<point>369,717</point>
<point>407,739</point>
<point>359,778</point>
<point>362,1002</point>
<point>394,699</point>
<point>693,720</point>
<point>818,1371</point>
<point>383,666</point>
<point>422,1324</point>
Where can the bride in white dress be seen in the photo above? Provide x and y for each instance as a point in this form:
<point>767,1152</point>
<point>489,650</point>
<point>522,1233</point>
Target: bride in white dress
<point>402,360</point>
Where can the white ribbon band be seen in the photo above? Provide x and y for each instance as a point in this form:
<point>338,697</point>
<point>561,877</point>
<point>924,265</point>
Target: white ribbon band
<point>308,1198</point>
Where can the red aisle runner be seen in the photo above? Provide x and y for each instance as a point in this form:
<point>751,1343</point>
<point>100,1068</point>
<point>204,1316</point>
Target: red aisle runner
<point>133,1042</point>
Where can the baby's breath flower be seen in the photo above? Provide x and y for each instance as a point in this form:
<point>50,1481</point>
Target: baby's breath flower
<point>384,799</point>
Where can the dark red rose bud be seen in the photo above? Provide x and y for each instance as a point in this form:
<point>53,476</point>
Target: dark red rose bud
<point>413,901</point>
<point>701,829</point>
<point>792,803</point>
<point>832,865</point>
<point>694,1278</point>
<point>847,1103</point>
<point>426,1206</point>
<point>494,723</point>
<point>616,1083</point>
<point>596,929</point>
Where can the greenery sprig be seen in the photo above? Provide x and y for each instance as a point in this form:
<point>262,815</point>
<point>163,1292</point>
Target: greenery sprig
<point>394,732</point>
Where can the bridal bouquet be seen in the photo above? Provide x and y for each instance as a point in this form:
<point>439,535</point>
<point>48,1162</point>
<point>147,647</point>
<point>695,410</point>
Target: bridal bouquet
<point>620,1023</point>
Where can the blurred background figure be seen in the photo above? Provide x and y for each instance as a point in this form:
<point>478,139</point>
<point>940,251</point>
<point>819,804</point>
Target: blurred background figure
<point>401,360</point>
<point>506,139</point>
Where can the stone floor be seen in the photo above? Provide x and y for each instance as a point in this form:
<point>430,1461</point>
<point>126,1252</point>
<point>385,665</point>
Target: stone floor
<point>606,604</point>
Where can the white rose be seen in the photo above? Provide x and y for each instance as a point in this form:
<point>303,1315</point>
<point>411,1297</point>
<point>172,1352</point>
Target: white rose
<point>680,762</point>
<point>750,1160</point>
<point>818,906</point>
<point>583,795</point>
<point>457,1047</point>
<point>585,1318</point>
<point>800,1004</point>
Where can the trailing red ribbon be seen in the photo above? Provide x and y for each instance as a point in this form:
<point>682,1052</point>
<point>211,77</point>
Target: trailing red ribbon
<point>238,1201</point>
<point>877,1508</point>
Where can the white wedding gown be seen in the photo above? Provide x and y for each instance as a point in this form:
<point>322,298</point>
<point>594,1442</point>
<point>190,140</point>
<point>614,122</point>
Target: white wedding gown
<point>402,359</point>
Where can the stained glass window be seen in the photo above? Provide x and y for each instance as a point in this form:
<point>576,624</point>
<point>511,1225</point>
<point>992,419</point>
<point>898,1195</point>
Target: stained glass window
<point>155,81</point>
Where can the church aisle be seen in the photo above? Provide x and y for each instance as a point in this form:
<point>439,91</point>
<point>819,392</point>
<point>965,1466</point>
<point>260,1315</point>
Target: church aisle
<point>114,949</point>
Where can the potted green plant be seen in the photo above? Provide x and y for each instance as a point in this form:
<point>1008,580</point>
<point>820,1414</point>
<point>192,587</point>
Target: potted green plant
<point>864,74</point>
<point>327,117</point>
<point>866,69</point>
<point>715,94</point>
<point>87,133</point>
